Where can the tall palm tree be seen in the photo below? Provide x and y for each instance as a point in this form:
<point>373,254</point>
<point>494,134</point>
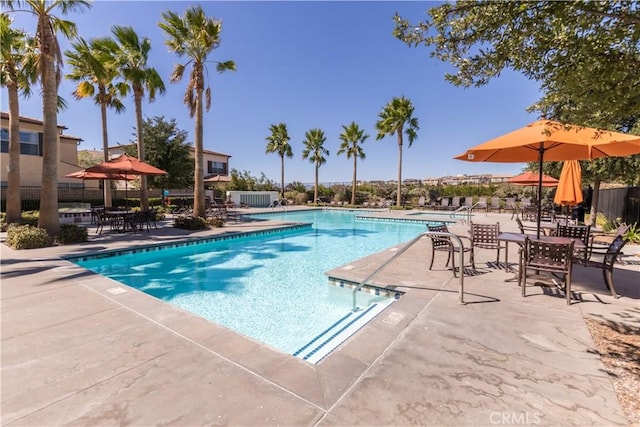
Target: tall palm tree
<point>17,74</point>
<point>278,142</point>
<point>352,138</point>
<point>195,36</point>
<point>314,150</point>
<point>49,64</point>
<point>130,55</point>
<point>92,67</point>
<point>397,118</point>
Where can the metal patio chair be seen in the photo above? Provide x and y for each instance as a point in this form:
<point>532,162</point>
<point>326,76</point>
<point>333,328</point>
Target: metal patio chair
<point>554,259</point>
<point>445,244</point>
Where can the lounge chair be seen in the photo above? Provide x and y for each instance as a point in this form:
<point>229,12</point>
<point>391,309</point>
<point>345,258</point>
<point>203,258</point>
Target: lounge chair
<point>444,204</point>
<point>455,203</point>
<point>495,204</point>
<point>482,204</point>
<point>510,205</point>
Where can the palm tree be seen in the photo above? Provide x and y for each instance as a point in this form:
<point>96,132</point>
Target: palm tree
<point>278,142</point>
<point>352,138</point>
<point>90,67</point>
<point>130,55</point>
<point>48,70</point>
<point>397,114</point>
<point>314,151</point>
<point>195,36</point>
<point>17,73</point>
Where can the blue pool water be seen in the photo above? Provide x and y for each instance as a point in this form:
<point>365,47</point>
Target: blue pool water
<point>270,287</point>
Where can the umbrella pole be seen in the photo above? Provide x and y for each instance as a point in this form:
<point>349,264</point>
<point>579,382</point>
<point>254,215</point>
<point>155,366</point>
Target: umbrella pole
<point>540,157</point>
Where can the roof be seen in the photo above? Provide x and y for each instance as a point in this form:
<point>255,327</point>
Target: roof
<point>191,148</point>
<point>31,120</point>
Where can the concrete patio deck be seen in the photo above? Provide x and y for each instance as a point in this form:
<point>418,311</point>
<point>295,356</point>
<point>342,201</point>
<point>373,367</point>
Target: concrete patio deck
<point>81,349</point>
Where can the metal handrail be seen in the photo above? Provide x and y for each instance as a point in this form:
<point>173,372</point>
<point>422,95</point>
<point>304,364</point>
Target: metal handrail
<point>463,208</point>
<point>403,250</point>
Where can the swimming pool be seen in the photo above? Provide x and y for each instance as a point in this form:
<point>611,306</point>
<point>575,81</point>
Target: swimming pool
<point>271,287</point>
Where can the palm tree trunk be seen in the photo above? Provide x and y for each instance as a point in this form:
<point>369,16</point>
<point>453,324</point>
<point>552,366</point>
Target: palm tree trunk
<point>199,209</point>
<point>105,150</point>
<point>353,186</point>
<point>315,192</point>
<point>144,193</point>
<point>14,205</point>
<point>49,219</point>
<point>282,176</point>
<point>399,195</point>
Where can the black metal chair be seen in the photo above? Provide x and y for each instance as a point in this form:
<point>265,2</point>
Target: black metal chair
<point>445,244</point>
<point>576,232</point>
<point>605,259</point>
<point>543,257</point>
<point>526,229</point>
<point>485,236</point>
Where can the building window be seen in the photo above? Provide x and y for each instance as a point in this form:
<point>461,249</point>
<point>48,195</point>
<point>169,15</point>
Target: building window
<point>29,142</point>
<point>218,168</point>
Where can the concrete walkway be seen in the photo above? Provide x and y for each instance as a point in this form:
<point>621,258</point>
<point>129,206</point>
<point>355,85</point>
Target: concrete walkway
<point>81,349</point>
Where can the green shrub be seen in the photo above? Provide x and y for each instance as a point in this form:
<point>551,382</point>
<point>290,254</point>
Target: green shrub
<point>633,233</point>
<point>190,223</point>
<point>72,233</point>
<point>215,222</point>
<point>27,237</point>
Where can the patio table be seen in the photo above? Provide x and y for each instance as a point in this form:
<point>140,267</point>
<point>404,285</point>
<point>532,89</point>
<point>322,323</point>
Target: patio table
<point>519,239</point>
<point>124,220</point>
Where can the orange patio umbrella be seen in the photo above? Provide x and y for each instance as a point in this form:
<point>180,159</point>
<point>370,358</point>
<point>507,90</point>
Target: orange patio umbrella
<point>552,141</point>
<point>569,191</point>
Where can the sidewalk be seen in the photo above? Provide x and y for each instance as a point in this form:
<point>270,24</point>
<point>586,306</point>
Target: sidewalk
<point>81,349</point>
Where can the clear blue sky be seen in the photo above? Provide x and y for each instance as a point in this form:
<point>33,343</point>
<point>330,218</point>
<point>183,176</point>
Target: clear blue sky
<point>307,64</point>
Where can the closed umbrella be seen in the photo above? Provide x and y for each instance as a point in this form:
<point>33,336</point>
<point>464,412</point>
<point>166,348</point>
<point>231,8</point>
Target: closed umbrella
<point>552,141</point>
<point>569,191</point>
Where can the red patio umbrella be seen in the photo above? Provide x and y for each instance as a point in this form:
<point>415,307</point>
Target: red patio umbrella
<point>125,165</point>
<point>83,174</point>
<point>532,178</point>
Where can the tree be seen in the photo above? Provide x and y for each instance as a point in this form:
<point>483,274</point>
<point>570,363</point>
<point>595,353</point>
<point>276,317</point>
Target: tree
<point>278,142</point>
<point>352,138</point>
<point>393,119</point>
<point>195,36</point>
<point>87,158</point>
<point>92,66</point>
<point>315,151</point>
<point>588,50</point>
<point>48,71</point>
<point>17,74</point>
<point>130,55</point>
<point>586,56</point>
<point>166,148</point>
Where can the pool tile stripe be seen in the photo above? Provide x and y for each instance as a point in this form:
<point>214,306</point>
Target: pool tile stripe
<point>337,337</point>
<point>192,242</point>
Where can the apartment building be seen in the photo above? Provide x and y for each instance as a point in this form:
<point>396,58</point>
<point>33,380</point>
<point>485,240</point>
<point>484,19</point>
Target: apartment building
<point>31,144</point>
